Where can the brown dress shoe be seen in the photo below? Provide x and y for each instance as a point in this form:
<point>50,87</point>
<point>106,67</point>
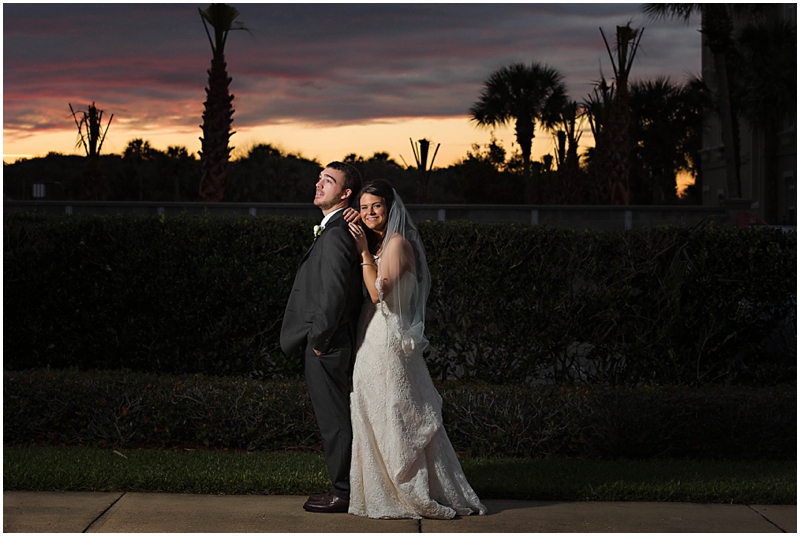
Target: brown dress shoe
<point>320,497</point>
<point>328,505</point>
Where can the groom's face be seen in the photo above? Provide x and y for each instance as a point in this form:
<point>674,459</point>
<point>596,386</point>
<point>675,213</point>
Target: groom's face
<point>330,189</point>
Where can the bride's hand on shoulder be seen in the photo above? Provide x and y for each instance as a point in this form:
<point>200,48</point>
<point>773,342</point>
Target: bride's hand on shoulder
<point>359,236</point>
<point>351,215</point>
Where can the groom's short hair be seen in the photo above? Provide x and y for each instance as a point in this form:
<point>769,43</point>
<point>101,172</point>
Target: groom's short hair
<point>352,178</point>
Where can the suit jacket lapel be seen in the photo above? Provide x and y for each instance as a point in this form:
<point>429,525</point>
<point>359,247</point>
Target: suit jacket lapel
<point>328,224</point>
<point>305,256</point>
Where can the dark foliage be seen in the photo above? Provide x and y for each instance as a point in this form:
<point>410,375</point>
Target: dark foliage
<point>178,294</point>
<point>509,304</point>
<point>666,131</point>
<point>267,175</point>
<point>654,306</point>
<point>129,410</point>
<point>146,175</point>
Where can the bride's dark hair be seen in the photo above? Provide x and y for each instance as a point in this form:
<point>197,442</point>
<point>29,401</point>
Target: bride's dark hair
<point>378,188</point>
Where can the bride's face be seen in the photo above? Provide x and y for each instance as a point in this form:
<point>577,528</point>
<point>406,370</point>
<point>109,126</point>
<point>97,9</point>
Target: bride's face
<point>373,212</point>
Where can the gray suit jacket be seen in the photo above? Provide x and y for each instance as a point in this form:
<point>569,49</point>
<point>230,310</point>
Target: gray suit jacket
<point>327,291</point>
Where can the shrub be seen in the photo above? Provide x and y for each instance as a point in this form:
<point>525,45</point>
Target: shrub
<point>623,422</point>
<point>129,410</point>
<point>509,304</point>
<point>654,306</point>
<point>150,294</point>
<point>125,409</point>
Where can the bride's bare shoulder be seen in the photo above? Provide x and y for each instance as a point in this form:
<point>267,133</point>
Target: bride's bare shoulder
<point>397,239</point>
<point>399,243</point>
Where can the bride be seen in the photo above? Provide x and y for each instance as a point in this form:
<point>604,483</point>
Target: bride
<point>403,465</point>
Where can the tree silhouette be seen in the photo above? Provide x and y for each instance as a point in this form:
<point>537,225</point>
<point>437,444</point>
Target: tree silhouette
<point>178,160</point>
<point>218,111</point>
<point>381,165</point>
<point>424,167</point>
<point>136,153</point>
<point>666,130</point>
<point>570,190</point>
<point>614,146</point>
<point>597,107</point>
<point>483,176</point>
<point>267,174</point>
<point>91,136</point>
<point>523,95</point>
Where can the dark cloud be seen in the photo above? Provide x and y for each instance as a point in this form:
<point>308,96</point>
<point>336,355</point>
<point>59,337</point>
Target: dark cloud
<point>325,63</point>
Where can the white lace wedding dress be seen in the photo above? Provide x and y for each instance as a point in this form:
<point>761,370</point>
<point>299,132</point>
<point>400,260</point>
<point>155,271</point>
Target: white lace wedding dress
<point>403,465</point>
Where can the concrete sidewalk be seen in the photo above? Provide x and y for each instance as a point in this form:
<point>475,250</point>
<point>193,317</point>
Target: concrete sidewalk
<point>169,512</point>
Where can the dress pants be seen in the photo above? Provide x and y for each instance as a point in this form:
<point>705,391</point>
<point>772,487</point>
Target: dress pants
<point>329,384</point>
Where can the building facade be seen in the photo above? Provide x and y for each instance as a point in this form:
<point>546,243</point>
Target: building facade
<point>768,161</point>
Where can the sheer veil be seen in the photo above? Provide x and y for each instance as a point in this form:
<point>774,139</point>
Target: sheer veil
<point>404,267</point>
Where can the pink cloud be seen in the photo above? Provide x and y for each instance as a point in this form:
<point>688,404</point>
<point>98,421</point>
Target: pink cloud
<point>330,63</point>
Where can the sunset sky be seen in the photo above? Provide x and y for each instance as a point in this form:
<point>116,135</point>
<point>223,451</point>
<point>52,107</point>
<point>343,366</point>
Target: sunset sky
<point>320,80</point>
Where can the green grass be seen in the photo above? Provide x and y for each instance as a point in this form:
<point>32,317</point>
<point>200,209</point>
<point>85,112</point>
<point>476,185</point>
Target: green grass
<point>189,471</point>
<point>299,473</point>
<point>755,482</point>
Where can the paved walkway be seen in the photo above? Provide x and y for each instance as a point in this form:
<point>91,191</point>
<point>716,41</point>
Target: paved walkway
<point>170,512</point>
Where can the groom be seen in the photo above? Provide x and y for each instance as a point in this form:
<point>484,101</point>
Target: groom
<point>320,323</point>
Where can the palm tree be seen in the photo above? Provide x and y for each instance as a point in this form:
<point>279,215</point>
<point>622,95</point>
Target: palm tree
<point>137,151</point>
<point>525,95</point>
<point>717,29</point>
<point>91,135</point>
<point>569,133</point>
<point>218,112</point>
<point>421,151</point>
<point>569,169</point>
<point>666,126</point>
<point>615,154</point>
<point>597,108</point>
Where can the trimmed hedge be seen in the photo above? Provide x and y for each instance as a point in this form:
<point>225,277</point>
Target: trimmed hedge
<point>130,410</point>
<point>667,306</point>
<point>178,294</point>
<point>509,304</point>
